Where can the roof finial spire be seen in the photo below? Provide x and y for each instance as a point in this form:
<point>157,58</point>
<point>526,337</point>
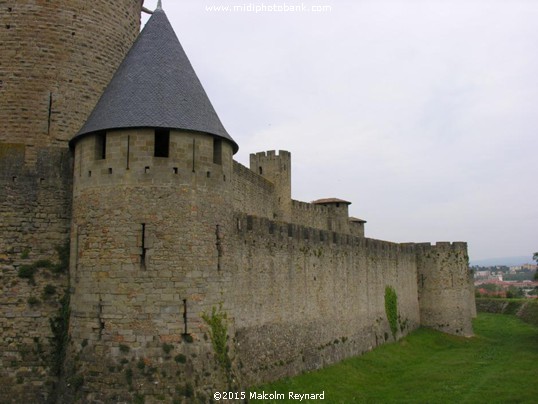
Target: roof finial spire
<point>159,5</point>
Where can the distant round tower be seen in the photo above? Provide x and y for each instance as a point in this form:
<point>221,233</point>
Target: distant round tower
<point>152,189</point>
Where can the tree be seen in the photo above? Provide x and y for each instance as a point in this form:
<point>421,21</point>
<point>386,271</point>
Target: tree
<point>514,292</point>
<point>535,258</point>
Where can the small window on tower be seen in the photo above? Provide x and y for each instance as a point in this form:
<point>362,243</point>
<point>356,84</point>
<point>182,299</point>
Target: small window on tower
<point>162,143</point>
<point>217,151</point>
<point>100,146</point>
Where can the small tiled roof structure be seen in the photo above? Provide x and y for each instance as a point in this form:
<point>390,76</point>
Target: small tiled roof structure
<point>356,220</point>
<point>330,201</point>
<point>156,87</point>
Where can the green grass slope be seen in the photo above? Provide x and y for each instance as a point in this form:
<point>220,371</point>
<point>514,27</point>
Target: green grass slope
<point>525,309</point>
<point>498,365</point>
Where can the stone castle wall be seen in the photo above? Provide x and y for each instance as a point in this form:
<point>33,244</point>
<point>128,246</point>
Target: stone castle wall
<point>155,247</point>
<point>294,298</point>
<point>308,214</point>
<point>252,193</point>
<point>302,298</point>
<point>35,215</point>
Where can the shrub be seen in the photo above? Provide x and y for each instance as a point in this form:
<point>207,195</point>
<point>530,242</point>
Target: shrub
<point>129,376</point>
<point>391,309</point>
<point>42,264</point>
<point>49,290</point>
<point>27,272</point>
<point>32,301</point>
<point>77,381</point>
<point>63,255</point>
<point>218,332</point>
<point>167,348</point>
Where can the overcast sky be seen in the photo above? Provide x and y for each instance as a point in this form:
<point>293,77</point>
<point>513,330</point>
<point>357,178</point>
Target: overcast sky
<point>423,114</point>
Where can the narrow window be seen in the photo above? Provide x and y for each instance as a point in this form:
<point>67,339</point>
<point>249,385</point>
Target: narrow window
<point>162,143</point>
<point>100,146</point>
<point>128,150</point>
<point>261,170</point>
<point>101,321</point>
<point>185,316</point>
<point>50,110</point>
<point>144,249</point>
<point>217,151</point>
<point>219,247</point>
<point>193,155</point>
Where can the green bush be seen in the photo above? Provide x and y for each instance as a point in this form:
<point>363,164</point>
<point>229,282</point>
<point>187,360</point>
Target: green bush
<point>129,376</point>
<point>77,381</point>
<point>32,301</point>
<point>219,338</point>
<point>59,326</point>
<point>167,348</point>
<point>391,309</point>
<point>49,290</point>
<point>139,399</point>
<point>42,264</point>
<point>63,255</point>
<point>27,272</point>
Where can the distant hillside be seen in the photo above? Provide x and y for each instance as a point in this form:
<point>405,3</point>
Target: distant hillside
<point>508,261</point>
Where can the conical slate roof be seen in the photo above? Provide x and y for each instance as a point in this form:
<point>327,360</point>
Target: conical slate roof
<point>155,86</point>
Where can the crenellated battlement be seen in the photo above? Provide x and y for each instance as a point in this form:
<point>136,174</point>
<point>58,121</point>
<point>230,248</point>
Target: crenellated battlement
<point>310,207</point>
<point>253,226</point>
<point>130,157</point>
<point>277,169</point>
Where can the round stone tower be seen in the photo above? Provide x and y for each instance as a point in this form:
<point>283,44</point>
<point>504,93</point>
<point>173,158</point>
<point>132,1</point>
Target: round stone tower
<point>56,59</point>
<point>152,191</point>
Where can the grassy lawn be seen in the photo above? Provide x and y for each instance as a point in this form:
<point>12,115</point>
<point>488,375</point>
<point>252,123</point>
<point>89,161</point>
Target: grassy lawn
<point>498,365</point>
